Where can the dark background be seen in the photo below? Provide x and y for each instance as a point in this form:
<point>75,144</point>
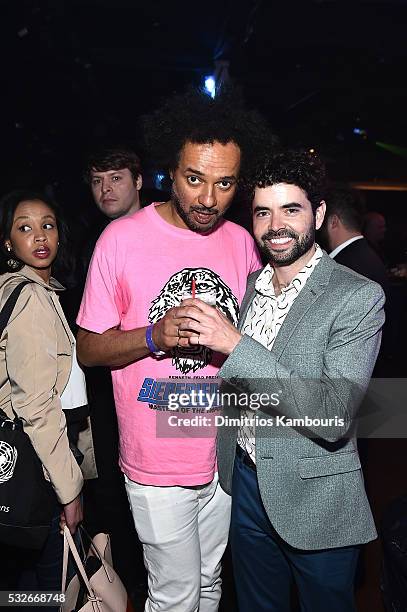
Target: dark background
<point>76,73</point>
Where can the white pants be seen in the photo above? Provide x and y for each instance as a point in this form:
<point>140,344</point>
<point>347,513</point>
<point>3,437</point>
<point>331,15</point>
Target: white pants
<point>184,532</point>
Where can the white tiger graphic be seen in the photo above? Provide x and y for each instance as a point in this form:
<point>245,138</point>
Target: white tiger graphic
<point>193,358</point>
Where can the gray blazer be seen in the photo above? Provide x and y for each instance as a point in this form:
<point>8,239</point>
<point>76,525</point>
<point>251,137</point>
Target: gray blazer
<point>310,479</point>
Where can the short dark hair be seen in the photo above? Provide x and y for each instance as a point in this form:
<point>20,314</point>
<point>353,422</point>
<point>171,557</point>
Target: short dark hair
<point>347,205</point>
<point>62,266</point>
<point>196,117</point>
<point>104,160</point>
<point>295,167</point>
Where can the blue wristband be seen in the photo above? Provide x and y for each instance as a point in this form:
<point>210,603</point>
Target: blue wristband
<point>150,343</point>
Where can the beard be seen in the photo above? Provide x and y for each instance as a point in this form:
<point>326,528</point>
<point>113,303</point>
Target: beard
<point>188,219</point>
<point>302,244</point>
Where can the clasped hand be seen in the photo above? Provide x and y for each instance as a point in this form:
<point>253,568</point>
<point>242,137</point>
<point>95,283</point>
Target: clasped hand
<point>193,323</point>
<point>199,323</point>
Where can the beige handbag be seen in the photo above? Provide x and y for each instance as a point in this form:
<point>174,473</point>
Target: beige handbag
<point>104,591</point>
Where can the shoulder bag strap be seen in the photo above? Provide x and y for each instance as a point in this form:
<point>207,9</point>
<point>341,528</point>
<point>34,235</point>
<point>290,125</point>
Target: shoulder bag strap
<point>8,307</point>
<point>5,315</point>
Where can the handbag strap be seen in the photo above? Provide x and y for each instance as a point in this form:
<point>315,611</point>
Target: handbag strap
<point>8,307</point>
<point>96,551</point>
<point>69,545</point>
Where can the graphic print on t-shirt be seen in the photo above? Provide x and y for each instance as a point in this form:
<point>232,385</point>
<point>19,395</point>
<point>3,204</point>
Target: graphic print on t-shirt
<point>193,358</point>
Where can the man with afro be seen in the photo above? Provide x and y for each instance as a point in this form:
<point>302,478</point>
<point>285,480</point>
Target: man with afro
<point>142,267</point>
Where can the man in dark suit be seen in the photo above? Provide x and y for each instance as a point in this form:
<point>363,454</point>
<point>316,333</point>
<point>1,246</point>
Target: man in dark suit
<point>343,229</point>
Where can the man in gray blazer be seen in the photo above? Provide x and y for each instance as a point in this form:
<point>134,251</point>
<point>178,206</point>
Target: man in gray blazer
<point>308,338</point>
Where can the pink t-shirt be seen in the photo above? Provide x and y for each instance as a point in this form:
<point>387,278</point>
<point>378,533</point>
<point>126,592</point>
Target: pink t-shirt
<point>140,268</point>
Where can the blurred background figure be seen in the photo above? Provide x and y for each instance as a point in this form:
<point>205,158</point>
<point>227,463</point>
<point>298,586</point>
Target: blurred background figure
<point>345,242</point>
<point>374,230</point>
<point>344,237</point>
<point>114,178</point>
<point>400,271</point>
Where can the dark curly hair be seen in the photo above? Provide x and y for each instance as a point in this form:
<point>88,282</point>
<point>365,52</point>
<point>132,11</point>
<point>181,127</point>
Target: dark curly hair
<point>196,117</point>
<point>295,167</point>
<point>118,158</point>
<point>62,267</point>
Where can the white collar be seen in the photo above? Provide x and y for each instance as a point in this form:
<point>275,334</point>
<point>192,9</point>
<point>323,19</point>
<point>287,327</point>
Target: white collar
<point>339,248</point>
<point>264,283</point>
